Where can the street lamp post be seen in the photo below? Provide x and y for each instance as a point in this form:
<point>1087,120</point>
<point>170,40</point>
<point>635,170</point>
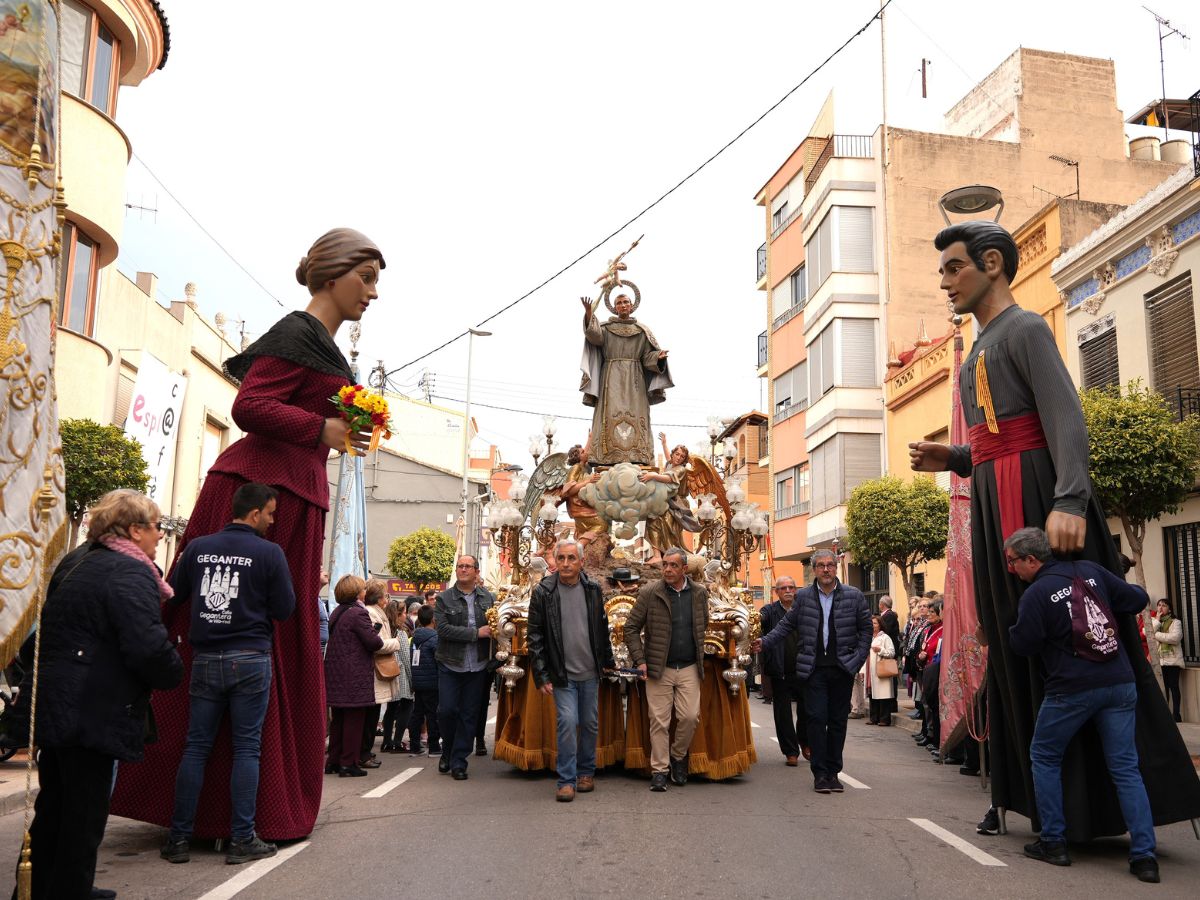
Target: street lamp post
<point>466,454</point>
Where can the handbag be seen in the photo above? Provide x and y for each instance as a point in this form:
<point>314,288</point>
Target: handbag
<point>886,668</point>
<point>387,666</point>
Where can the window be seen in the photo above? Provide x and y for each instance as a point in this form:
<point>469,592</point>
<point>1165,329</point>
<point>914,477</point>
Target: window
<point>803,483</point>
<point>1172,327</point>
<point>791,387</point>
<point>779,215</point>
<point>854,366</point>
<point>763,448</point>
<point>1098,361</point>
<point>843,242</point>
<point>211,446</point>
<point>841,464</point>
<point>918,583</point>
<point>799,289</point>
<point>77,282</point>
<point>126,379</point>
<point>785,490</point>
<point>90,57</point>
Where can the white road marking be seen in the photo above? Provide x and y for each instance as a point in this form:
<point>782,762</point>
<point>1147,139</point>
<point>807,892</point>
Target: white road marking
<point>853,782</point>
<point>984,859</point>
<point>755,725</point>
<point>391,784</point>
<point>492,720</point>
<point>250,874</point>
<point>775,739</point>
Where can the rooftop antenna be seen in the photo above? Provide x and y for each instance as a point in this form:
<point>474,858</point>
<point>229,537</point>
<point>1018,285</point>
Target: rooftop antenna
<point>1162,69</point>
<point>1073,163</point>
<point>141,208</point>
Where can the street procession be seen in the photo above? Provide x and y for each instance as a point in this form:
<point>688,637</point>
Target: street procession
<point>290,608</point>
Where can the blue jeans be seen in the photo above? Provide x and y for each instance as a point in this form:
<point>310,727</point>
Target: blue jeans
<point>576,705</point>
<point>240,681</point>
<point>459,696</point>
<point>1061,716</point>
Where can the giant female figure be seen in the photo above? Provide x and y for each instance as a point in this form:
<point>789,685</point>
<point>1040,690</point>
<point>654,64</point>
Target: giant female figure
<point>287,377</point>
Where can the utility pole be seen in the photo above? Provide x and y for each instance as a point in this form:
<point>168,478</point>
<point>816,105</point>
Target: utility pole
<point>925,78</point>
<point>1162,67</point>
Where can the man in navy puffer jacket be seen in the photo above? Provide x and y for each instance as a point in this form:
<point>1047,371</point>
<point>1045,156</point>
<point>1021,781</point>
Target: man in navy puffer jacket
<point>834,624</point>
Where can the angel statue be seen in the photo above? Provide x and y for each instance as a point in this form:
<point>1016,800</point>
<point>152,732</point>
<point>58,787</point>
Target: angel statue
<point>666,531</point>
<point>588,525</point>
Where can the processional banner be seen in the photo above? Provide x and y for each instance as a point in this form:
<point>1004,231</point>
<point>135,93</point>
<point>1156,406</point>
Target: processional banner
<point>32,485</point>
<point>964,660</point>
<point>348,538</point>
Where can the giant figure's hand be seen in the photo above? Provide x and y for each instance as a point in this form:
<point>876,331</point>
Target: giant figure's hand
<point>1066,532</point>
<point>926,456</point>
<point>333,435</point>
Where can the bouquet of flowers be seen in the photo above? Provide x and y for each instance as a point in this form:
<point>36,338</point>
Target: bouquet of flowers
<point>364,410</point>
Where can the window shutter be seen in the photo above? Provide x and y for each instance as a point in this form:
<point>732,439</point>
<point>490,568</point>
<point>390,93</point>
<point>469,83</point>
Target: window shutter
<point>1173,336</point>
<point>832,474</point>
<point>827,359</point>
<point>781,298</point>
<point>825,250</point>
<point>783,390</point>
<point>1098,361</point>
<point>862,460</point>
<point>817,467</point>
<point>858,353</point>
<point>814,370</point>
<point>125,382</point>
<point>856,245</point>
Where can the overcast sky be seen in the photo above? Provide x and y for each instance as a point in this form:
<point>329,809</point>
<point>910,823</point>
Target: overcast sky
<point>484,146</point>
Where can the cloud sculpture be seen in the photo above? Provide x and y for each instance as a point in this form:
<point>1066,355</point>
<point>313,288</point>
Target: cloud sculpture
<point>621,498</point>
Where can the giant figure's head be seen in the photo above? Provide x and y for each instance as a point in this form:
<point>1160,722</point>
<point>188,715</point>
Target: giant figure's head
<point>974,255</point>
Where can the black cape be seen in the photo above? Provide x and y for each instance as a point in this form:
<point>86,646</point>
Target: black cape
<point>298,337</point>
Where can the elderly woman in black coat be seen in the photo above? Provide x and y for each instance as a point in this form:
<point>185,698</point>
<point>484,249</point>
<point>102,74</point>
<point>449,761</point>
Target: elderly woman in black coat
<point>103,649</point>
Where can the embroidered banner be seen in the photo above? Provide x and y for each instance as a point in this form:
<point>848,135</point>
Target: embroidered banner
<point>32,509</point>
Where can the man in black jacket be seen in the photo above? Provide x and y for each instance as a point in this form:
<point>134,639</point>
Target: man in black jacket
<point>779,664</point>
<point>569,648</point>
<point>241,585</point>
<point>834,624</point>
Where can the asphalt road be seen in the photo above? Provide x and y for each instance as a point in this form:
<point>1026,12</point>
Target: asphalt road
<point>764,834</point>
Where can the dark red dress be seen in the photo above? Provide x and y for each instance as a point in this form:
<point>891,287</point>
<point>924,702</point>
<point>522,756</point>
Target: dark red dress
<point>282,407</point>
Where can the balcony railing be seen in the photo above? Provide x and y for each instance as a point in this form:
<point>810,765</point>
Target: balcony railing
<point>853,146</point>
<point>762,262</point>
<point>792,409</point>
<point>788,512</point>
<point>762,349</point>
<point>1186,402</point>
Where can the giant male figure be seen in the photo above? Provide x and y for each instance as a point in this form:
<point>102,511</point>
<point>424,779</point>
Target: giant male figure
<point>1028,461</point>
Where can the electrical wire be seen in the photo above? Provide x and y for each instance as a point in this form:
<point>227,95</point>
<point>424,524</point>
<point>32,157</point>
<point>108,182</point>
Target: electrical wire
<point>556,415</point>
<point>207,233</point>
<point>661,198</point>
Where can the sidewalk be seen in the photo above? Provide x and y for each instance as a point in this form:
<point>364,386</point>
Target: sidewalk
<point>12,784</point>
<point>1190,731</point>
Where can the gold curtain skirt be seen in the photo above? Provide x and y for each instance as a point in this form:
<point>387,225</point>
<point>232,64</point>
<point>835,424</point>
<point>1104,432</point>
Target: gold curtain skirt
<point>722,748</point>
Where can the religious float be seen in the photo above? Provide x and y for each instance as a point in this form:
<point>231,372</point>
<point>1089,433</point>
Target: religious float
<point>626,513</point>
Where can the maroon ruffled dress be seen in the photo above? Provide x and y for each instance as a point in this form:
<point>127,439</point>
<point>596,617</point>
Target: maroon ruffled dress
<point>282,407</point>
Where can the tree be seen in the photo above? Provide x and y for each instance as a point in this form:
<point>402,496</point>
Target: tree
<point>1142,459</point>
<point>426,556</point>
<point>97,459</point>
<point>897,522</point>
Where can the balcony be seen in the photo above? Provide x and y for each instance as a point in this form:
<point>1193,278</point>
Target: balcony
<point>847,146</point>
<point>788,512</point>
<point>782,414</point>
<point>1186,402</point>
<point>762,263</point>
<point>762,349</point>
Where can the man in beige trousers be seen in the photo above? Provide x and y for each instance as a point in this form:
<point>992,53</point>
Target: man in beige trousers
<point>665,636</point>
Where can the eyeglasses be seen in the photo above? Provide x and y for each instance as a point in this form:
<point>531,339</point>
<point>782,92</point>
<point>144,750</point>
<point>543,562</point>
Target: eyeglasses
<point>157,526</point>
<point>1013,560</point>
<point>825,566</point>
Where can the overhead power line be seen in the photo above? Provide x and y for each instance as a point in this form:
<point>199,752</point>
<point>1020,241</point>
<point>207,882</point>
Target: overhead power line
<point>207,233</point>
<point>696,171</point>
<point>543,412</point>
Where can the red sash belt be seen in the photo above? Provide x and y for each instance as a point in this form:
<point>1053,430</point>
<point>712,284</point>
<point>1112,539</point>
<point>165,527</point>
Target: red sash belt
<point>1016,435</point>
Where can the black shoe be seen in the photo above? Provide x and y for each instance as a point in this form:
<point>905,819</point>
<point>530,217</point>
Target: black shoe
<point>923,741</point>
<point>1054,852</point>
<point>102,894</point>
<point>1146,869</point>
<point>175,851</point>
<point>351,772</point>
<point>332,768</point>
<point>990,823</point>
<point>954,760</point>
<point>480,748</point>
<point>679,771</point>
<point>967,770</point>
<point>658,782</point>
<point>443,765</point>
<point>416,751</point>
<point>920,735</point>
<point>369,763</point>
<point>915,714</point>
<point>835,786</point>
<point>459,774</point>
<point>244,851</point>
<point>935,756</point>
<point>821,785</point>
<point>386,747</point>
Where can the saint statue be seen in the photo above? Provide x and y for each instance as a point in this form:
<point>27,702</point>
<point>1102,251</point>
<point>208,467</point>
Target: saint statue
<point>624,373</point>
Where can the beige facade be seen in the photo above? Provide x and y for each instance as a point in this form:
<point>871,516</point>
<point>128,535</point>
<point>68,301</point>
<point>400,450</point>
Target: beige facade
<point>1129,294</point>
<point>1034,106</point>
